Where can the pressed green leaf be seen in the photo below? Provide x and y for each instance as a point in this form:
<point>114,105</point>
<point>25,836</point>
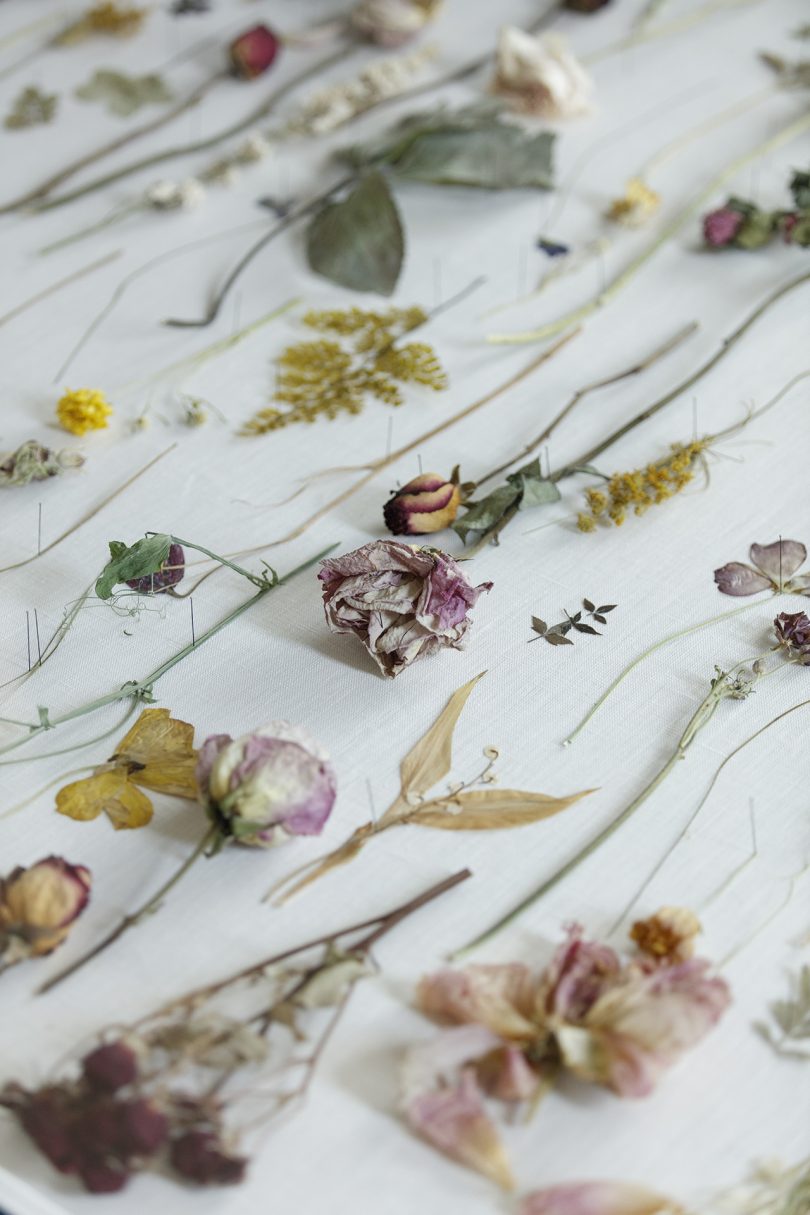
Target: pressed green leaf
<point>359,242</point>
<point>122,94</point>
<point>134,561</point>
<point>484,515</point>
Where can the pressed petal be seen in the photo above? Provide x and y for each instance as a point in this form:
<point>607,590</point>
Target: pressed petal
<point>780,560</point>
<point>739,579</point>
<point>112,792</point>
<point>499,997</point>
<point>597,1198</point>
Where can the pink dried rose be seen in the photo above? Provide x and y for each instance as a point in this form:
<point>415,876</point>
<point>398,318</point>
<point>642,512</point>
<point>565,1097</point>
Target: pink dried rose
<point>265,787</point>
<point>427,504</point>
<point>720,227</point>
<point>402,602</point>
<point>38,907</point>
<point>392,23</point>
<point>254,51</point>
<point>772,568</point>
<point>793,634</point>
<point>597,1198</point>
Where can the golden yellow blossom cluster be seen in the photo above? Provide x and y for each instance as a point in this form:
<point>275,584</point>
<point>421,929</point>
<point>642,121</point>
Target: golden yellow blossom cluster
<point>642,488</point>
<point>638,204</point>
<point>83,410</point>
<point>106,17</point>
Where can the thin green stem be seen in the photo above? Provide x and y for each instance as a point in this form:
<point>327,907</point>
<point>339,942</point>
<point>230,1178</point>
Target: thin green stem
<point>129,921</point>
<point>112,217</point>
<point>652,649</point>
<point>671,229</point>
<point>259,580</point>
<point>4,763</point>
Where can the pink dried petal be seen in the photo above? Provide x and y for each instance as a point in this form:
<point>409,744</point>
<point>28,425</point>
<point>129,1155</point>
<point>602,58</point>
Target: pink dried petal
<point>739,579</point>
<point>498,997</point>
<point>597,1198</point>
<point>778,561</point>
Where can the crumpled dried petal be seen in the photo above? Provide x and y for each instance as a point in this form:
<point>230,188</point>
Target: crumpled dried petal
<point>597,1198</point>
<point>499,997</point>
<point>537,74</point>
<point>392,23</point>
<point>38,906</point>
<point>637,205</point>
<point>578,974</point>
<point>772,567</point>
<point>33,462</point>
<point>793,633</point>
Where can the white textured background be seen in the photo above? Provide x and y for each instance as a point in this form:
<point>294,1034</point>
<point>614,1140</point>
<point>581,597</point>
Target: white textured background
<point>732,1101</point>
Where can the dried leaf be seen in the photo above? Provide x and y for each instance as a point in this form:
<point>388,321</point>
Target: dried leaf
<point>585,628</point>
<point>431,759</point>
<point>135,561</point>
<point>589,607</point>
<point>539,625</point>
<point>31,108</point>
<point>340,856</point>
<point>491,809</point>
<point>555,638</point>
<point>608,607</point>
<point>122,94</point>
<point>359,243</point>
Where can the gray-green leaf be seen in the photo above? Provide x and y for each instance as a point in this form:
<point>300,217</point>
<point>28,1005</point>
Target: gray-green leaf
<point>132,561</point>
<point>484,515</point>
<point>31,108</point>
<point>122,94</point>
<point>359,242</point>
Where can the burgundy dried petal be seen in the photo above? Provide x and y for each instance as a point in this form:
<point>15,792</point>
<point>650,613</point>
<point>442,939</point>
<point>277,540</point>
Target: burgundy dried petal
<point>778,561</point>
<point>110,1067</point>
<point>101,1178</point>
<point>200,1156</point>
<point>793,631</point>
<point>142,1128</point>
<point>739,579</point>
<point>721,226</point>
<point>45,1120</point>
<point>170,573</point>
<point>253,52</point>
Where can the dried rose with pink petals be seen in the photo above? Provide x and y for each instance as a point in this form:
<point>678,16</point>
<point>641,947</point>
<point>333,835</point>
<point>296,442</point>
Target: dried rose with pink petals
<point>597,1198</point>
<point>265,787</point>
<point>392,23</point>
<point>793,634</point>
<point>720,227</point>
<point>253,52</point>
<point>772,568</point>
<point>38,907</point>
<point>402,602</point>
<point>427,504</point>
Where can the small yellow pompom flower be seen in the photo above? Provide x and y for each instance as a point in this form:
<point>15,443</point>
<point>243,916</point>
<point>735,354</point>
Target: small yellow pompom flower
<point>83,410</point>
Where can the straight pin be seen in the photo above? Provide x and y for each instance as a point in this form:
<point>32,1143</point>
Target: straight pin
<point>191,607</point>
<point>36,628</point>
<point>28,636</point>
<point>39,530</point>
<point>419,462</point>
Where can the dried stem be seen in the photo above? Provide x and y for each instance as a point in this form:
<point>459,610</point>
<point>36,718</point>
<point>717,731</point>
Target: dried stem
<point>57,286</point>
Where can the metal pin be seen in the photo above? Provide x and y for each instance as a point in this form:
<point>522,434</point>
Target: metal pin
<point>389,437</point>
<point>39,530</point>
<point>36,629</point>
<point>523,263</point>
<point>437,281</point>
<point>191,606</point>
<point>28,636</point>
<point>371,801</point>
<point>419,462</point>
<point>548,461</point>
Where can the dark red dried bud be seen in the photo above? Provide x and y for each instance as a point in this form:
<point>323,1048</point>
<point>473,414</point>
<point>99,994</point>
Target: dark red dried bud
<point>110,1067</point>
<point>721,226</point>
<point>142,1128</point>
<point>793,632</point>
<point>429,503</point>
<point>200,1156</point>
<point>44,1119</point>
<point>101,1178</point>
<point>170,573</point>
<point>253,52</point>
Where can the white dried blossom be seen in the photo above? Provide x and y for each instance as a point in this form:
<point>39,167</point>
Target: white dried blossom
<point>392,22</point>
<point>330,108</point>
<point>253,148</point>
<point>539,75</point>
<point>175,195</point>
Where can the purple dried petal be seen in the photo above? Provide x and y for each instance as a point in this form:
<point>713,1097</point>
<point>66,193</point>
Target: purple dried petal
<point>170,573</point>
<point>778,561</point>
<point>739,579</point>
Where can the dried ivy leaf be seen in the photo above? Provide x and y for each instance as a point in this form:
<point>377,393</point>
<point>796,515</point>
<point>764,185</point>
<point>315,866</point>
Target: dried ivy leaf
<point>31,108</point>
<point>122,94</point>
<point>136,561</point>
<point>492,810</point>
<point>359,242</point>
<point>431,758</point>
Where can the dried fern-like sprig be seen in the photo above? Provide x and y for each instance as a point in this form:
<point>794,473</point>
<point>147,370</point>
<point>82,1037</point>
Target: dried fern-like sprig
<point>361,355</point>
<point>106,17</point>
<point>642,488</point>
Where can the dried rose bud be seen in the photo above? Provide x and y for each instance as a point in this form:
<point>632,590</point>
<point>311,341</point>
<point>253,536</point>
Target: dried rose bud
<point>99,1177</point>
<point>253,52</point>
<point>392,23</point>
<point>667,936</point>
<point>200,1156</point>
<point>537,74</point>
<point>264,787</point>
<point>38,906</point>
<point>171,572</point>
<point>45,1119</point>
<point>427,504</point>
<point>793,633</point>
<point>110,1067</point>
<point>720,227</point>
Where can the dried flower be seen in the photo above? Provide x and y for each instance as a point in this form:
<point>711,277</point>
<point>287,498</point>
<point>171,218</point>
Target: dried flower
<point>793,634</point>
<point>157,753</point>
<point>331,107</point>
<point>598,1198</point>
<point>637,205</point>
<point>392,23</point>
<point>170,572</point>
<point>106,17</point>
<point>538,75</point>
<point>31,108</point>
<point>33,462</point>
<point>772,568</point>
<point>266,786</point>
<point>200,1156</point>
<point>610,1022</point>
<point>402,602</point>
<point>83,410</point>
<point>642,488</point>
<point>254,51</point>
<point>328,377</point>
<point>175,195</point>
<point>427,504</point>
<point>110,1066</point>
<point>667,936</point>
<point>38,906</point>
<point>721,226</point>
<point>558,634</point>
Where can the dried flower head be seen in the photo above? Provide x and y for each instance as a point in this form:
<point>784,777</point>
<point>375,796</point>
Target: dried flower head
<point>33,462</point>
<point>175,195</point>
<point>170,572</point>
<point>38,907</point>
<point>335,105</point>
<point>667,936</point>
<point>642,488</point>
<point>265,787</point>
<point>598,1198</point>
<point>721,226</point>
<point>537,74</point>
<point>254,51</point>
<point>636,206</point>
<point>392,23</point>
<point>401,602</point>
<point>793,635</point>
<point>427,504</point>
<point>363,357</point>
<point>107,17</point>
<point>83,410</point>
<point>772,568</point>
<point>31,108</point>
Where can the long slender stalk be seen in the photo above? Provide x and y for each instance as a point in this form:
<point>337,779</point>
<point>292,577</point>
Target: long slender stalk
<point>625,277</point>
<point>151,905</point>
<point>135,689</point>
<point>67,281</point>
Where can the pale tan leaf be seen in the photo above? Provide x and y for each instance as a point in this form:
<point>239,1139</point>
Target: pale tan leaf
<point>430,760</point>
<point>281,892</point>
<point>491,809</point>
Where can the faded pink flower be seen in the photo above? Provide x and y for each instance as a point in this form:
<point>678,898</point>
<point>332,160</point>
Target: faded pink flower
<point>502,998</point>
<point>597,1198</point>
<point>721,226</point>
<point>266,786</point>
<point>254,51</point>
<point>772,568</point>
<point>579,972</point>
<point>392,23</point>
<point>793,634</point>
<point>402,602</point>
<point>38,906</point>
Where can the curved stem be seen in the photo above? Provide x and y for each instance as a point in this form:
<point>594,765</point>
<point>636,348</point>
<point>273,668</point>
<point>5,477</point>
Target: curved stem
<point>671,229</point>
<point>129,921</point>
<point>100,225</point>
<point>658,645</point>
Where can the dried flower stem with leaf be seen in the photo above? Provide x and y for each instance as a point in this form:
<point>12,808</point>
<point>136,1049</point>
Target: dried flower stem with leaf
<point>792,1017</point>
<point>462,808</point>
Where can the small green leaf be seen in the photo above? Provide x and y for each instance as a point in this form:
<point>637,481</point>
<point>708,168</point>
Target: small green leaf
<point>359,242</point>
<point>135,561</point>
<point>484,515</point>
<point>122,94</point>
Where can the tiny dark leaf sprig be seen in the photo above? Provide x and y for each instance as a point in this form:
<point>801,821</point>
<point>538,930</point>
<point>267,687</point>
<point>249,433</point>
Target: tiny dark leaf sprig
<point>558,634</point>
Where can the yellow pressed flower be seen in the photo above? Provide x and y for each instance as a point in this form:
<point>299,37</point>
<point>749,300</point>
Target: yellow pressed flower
<point>641,488</point>
<point>638,204</point>
<point>83,410</point>
<point>586,523</point>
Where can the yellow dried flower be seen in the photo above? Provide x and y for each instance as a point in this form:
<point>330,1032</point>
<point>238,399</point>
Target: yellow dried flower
<point>83,410</point>
<point>329,376</point>
<point>106,17</point>
<point>642,488</point>
<point>637,205</point>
